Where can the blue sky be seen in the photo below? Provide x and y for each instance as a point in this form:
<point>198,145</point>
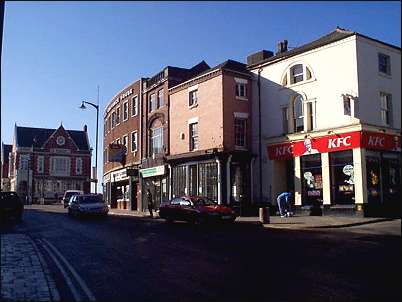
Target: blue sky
<point>56,53</point>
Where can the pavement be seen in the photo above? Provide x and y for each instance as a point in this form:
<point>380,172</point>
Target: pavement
<point>25,275</point>
<point>294,222</point>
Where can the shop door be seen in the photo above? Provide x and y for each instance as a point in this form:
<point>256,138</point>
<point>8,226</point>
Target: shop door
<point>157,193</point>
<point>311,175</point>
<point>133,197</point>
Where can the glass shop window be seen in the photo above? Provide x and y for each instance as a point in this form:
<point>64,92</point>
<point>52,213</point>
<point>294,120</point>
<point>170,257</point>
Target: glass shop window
<point>391,177</point>
<point>342,177</point>
<point>311,174</point>
<point>373,179</point>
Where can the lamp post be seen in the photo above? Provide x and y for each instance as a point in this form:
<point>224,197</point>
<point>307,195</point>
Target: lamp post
<point>96,145</point>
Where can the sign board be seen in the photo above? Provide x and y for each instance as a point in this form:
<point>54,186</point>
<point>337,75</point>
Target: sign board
<point>132,172</point>
<point>119,175</point>
<point>335,142</point>
<point>116,152</point>
<point>154,171</point>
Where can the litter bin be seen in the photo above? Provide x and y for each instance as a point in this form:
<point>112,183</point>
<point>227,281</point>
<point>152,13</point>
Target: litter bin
<point>264,215</point>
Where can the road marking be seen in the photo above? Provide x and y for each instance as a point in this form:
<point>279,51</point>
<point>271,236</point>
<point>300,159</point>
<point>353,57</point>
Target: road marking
<point>70,284</point>
<point>80,281</point>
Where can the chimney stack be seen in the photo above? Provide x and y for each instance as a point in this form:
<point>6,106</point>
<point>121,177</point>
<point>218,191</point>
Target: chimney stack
<point>85,128</point>
<point>282,47</point>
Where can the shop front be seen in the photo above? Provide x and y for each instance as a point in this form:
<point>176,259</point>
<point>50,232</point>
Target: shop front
<point>357,170</point>
<point>154,179</point>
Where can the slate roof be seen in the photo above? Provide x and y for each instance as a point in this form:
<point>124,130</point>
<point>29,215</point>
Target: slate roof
<point>28,136</point>
<point>228,65</point>
<point>337,35</point>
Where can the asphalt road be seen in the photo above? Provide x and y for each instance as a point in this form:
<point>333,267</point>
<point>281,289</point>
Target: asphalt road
<point>139,259</point>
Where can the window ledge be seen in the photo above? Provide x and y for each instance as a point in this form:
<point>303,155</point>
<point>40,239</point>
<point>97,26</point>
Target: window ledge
<point>384,75</point>
<point>242,98</point>
<point>299,83</point>
<point>193,106</point>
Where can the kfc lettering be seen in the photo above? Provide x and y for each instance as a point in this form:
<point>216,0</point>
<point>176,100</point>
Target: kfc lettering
<point>381,141</point>
<point>337,142</point>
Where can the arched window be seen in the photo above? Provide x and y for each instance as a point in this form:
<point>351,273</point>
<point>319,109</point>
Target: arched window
<point>298,111</point>
<point>297,74</point>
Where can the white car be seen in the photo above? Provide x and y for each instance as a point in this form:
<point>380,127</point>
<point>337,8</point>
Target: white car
<point>87,204</point>
<point>67,196</point>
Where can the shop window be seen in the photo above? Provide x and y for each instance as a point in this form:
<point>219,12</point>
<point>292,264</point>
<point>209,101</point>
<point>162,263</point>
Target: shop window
<point>342,177</point>
<point>208,180</point>
<point>193,181</point>
<point>179,175</point>
<point>391,178</point>
<point>311,174</point>
<point>373,179</point>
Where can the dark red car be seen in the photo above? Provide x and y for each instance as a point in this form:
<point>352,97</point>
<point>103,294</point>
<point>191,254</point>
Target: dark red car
<point>195,209</point>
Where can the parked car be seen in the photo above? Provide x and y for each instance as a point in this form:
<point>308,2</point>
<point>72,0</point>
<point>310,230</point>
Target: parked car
<point>11,206</point>
<point>195,209</point>
<point>67,196</point>
<point>87,204</point>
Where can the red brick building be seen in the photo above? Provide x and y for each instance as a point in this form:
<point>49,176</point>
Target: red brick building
<point>210,135</point>
<point>5,153</point>
<point>44,163</point>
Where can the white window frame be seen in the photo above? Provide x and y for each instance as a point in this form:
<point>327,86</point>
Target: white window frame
<point>194,142</point>
<point>191,93</point>
<point>134,105</point>
<point>24,162</point>
<point>386,109</point>
<point>56,170</point>
<point>388,67</point>
<point>118,116</point>
<point>136,141</point>
<point>40,168</point>
<point>78,166</point>
<point>152,102</point>
<point>244,134</point>
<point>125,111</point>
<point>158,103</point>
<point>113,119</point>
<point>153,137</point>
<point>125,138</point>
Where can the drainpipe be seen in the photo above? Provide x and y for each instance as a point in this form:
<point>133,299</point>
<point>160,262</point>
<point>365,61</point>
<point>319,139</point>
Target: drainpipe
<point>219,180</point>
<point>170,181</point>
<point>259,131</point>
<point>252,177</point>
<point>228,179</point>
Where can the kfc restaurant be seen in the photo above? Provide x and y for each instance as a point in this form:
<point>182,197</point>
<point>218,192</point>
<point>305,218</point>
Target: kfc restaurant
<point>346,170</point>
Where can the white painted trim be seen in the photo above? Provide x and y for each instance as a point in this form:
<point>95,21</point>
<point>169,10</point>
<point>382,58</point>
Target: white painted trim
<point>192,120</point>
<point>192,88</point>
<point>241,114</point>
<point>241,81</point>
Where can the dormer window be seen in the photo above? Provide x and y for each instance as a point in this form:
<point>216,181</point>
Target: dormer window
<point>297,73</point>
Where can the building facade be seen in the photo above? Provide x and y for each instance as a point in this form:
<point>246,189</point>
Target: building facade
<point>210,144</point>
<point>122,126</point>
<point>44,163</point>
<point>331,121</point>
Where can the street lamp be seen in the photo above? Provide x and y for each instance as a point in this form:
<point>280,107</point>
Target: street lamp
<point>96,146</point>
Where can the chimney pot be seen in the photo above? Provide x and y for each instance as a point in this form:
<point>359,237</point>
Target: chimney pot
<point>85,128</point>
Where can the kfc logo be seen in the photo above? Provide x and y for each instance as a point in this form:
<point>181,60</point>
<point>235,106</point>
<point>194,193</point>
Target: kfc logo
<point>339,142</point>
<point>283,151</point>
<point>376,141</point>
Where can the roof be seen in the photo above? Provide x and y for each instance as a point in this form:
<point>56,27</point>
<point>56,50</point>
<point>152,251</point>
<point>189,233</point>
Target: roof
<point>229,65</point>
<point>28,137</point>
<point>337,35</point>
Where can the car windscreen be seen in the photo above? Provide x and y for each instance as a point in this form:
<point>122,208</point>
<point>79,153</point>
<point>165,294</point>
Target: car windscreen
<point>90,199</point>
<point>69,194</point>
<point>205,202</point>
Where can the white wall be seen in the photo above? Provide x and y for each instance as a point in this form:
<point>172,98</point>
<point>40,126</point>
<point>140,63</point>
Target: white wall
<point>372,82</point>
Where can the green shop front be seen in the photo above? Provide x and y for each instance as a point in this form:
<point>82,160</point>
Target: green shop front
<point>156,180</point>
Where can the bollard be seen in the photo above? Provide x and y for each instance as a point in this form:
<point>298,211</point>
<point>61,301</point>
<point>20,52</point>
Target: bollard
<point>264,215</point>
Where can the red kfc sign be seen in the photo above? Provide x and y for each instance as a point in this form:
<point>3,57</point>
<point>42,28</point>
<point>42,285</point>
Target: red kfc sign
<point>381,141</point>
<point>336,142</point>
<point>330,143</point>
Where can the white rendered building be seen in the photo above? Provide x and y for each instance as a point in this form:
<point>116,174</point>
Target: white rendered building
<point>330,123</point>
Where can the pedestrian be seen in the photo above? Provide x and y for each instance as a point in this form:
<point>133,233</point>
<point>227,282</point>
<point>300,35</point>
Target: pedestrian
<point>150,203</point>
<point>283,201</point>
